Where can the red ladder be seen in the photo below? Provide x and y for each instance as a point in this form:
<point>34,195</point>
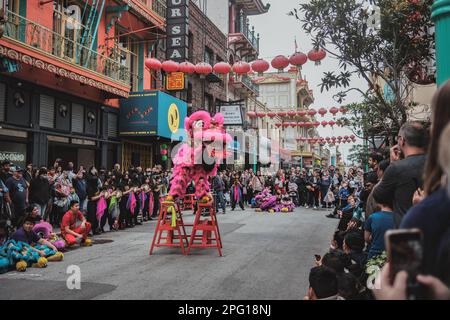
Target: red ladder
<point>172,233</point>
<point>208,226</point>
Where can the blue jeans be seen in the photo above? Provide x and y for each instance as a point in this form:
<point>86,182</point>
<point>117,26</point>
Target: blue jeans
<point>220,201</point>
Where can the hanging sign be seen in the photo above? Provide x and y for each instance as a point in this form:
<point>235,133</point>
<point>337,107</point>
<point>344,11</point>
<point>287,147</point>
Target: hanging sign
<point>177,21</point>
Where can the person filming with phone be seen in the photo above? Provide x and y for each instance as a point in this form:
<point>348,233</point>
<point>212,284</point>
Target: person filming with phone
<point>403,177</point>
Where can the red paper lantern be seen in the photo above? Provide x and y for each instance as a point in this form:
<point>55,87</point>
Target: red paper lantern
<point>302,113</point>
<point>278,125</point>
<point>312,112</point>
<point>153,64</point>
<point>251,114</point>
<point>170,66</point>
<point>323,111</point>
<point>222,68</point>
<point>260,66</point>
<point>298,59</point>
<point>352,137</point>
<point>334,111</point>
<point>271,115</point>
<point>316,124</point>
<point>203,68</point>
<point>260,114</point>
<point>317,55</point>
<point>292,114</point>
<point>282,114</point>
<point>286,124</point>
<point>241,67</point>
<point>343,110</point>
<point>333,139</point>
<point>324,123</point>
<point>332,123</point>
<point>301,124</point>
<point>328,139</point>
<point>346,137</point>
<point>186,67</point>
<point>280,62</point>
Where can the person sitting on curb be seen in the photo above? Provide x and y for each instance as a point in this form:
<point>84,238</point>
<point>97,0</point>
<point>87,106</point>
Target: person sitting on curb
<point>74,226</point>
<point>26,234</point>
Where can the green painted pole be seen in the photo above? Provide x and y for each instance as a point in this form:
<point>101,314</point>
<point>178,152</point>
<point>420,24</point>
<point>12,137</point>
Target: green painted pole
<point>440,14</point>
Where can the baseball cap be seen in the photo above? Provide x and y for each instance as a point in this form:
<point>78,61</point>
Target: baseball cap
<point>16,169</point>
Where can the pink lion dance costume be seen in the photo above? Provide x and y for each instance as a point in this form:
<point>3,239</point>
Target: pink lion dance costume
<point>199,157</point>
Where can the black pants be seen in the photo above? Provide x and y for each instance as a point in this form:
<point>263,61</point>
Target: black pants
<point>233,204</point>
<point>313,198</point>
<point>17,217</point>
<point>302,196</point>
<point>155,204</point>
<point>92,215</point>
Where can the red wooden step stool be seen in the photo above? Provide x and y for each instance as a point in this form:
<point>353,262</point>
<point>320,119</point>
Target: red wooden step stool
<point>175,236</point>
<point>188,202</point>
<point>210,234</point>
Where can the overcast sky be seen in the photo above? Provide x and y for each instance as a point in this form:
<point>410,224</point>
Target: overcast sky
<point>278,32</point>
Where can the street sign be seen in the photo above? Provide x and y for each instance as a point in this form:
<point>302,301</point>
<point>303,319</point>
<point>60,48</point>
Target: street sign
<point>175,81</point>
<point>232,115</point>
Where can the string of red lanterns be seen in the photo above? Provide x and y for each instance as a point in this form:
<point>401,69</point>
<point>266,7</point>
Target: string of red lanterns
<point>310,112</point>
<point>280,62</point>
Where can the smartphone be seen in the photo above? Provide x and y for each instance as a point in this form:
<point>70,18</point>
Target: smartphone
<point>405,253</point>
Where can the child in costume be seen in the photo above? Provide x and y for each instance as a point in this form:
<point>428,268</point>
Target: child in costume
<point>44,229</point>
<point>285,205</point>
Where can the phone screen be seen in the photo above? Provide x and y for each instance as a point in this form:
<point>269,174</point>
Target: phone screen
<point>405,250</point>
<point>406,253</point>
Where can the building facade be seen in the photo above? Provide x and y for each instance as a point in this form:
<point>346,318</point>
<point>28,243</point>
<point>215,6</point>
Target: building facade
<point>64,67</point>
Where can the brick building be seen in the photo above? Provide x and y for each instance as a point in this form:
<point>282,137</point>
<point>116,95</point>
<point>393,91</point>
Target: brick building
<point>206,44</point>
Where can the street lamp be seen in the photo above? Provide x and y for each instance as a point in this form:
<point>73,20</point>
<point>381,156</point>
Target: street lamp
<point>440,14</point>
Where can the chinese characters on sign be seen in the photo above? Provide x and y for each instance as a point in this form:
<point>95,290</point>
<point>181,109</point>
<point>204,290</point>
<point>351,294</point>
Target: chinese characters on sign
<point>175,81</point>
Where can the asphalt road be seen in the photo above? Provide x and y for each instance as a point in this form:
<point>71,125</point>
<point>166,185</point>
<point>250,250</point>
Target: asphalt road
<point>266,256</point>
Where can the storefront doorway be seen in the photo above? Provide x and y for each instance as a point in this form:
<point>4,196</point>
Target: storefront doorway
<point>68,153</point>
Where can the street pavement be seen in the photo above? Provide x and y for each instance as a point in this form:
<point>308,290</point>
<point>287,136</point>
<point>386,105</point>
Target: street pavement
<point>266,256</point>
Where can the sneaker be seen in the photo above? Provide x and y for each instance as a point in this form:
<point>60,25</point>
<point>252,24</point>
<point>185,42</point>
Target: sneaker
<point>315,208</point>
<point>332,216</point>
<point>306,207</point>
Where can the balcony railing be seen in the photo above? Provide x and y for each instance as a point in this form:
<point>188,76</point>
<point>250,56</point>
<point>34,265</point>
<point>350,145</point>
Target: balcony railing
<point>160,7</point>
<point>47,41</point>
<point>249,83</point>
<point>157,6</point>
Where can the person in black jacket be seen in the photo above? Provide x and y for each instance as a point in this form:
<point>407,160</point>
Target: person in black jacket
<point>300,180</point>
<point>40,192</point>
<point>404,177</point>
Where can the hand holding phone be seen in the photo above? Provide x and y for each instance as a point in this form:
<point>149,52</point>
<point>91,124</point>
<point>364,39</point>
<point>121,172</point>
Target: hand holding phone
<point>405,253</point>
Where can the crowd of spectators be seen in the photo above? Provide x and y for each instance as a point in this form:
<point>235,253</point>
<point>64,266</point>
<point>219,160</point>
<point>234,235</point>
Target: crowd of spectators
<point>407,189</point>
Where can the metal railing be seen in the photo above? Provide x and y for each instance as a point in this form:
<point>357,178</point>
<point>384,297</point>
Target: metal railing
<point>249,83</point>
<point>159,7</point>
<point>250,34</point>
<point>43,39</point>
